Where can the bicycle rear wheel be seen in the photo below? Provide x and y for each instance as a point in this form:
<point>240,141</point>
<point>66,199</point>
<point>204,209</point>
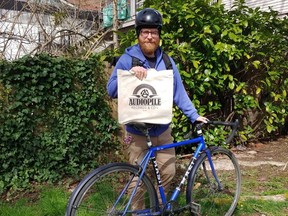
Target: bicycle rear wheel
<point>105,192</point>
<point>205,195</point>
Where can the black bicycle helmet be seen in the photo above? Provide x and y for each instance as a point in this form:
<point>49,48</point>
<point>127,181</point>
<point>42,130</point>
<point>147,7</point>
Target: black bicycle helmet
<point>148,18</point>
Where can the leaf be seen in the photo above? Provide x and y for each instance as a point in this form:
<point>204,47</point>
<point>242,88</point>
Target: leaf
<point>269,128</point>
<point>195,63</point>
<point>238,88</point>
<point>256,64</point>
<point>245,23</point>
<point>207,29</point>
<point>224,33</point>
<point>185,74</point>
<point>230,77</point>
<point>232,36</point>
<point>227,68</point>
<point>231,85</point>
<point>247,55</point>
<point>243,137</point>
<point>207,72</point>
<point>271,59</point>
<point>217,28</point>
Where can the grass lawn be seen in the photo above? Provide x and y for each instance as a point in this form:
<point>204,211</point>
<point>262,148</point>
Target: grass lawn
<point>52,201</point>
<point>49,201</point>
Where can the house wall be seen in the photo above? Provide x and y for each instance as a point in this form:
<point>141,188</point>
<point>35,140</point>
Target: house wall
<point>21,33</point>
<point>88,4</point>
<point>17,36</point>
<point>99,4</point>
<point>278,5</point>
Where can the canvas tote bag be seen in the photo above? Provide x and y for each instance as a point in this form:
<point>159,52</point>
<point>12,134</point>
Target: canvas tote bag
<point>149,100</point>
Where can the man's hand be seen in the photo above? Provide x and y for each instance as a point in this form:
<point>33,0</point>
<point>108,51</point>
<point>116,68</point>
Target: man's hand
<point>202,119</point>
<point>139,72</point>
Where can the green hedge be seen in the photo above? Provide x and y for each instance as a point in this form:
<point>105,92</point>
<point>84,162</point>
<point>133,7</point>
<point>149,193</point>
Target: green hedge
<point>234,63</point>
<point>54,119</point>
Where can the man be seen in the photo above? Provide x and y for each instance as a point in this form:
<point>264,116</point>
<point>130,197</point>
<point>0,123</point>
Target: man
<point>148,26</point>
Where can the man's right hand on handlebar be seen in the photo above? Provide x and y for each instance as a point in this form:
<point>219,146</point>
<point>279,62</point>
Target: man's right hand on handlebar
<point>202,119</point>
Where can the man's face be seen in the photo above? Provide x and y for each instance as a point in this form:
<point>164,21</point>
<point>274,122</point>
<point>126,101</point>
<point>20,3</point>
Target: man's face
<point>149,40</point>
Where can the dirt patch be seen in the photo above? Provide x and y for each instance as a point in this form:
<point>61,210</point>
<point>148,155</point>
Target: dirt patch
<point>273,154</point>
<point>264,168</point>
<point>265,152</point>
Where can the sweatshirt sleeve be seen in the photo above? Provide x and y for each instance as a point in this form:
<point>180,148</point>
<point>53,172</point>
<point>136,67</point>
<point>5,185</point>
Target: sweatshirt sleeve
<point>181,98</point>
<point>123,63</point>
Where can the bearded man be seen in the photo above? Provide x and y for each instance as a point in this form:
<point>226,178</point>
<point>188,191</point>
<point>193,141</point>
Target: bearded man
<point>148,25</point>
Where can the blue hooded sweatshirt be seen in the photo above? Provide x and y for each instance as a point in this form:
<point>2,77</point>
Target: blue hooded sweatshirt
<point>180,97</point>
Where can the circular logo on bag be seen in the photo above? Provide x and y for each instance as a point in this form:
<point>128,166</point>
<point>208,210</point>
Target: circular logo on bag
<point>144,95</point>
<point>145,91</point>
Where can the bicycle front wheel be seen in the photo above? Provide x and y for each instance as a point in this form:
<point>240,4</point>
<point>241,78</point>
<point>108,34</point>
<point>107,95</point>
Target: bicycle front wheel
<point>215,193</point>
<point>107,190</point>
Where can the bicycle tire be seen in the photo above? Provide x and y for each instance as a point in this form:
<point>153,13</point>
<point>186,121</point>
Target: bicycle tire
<point>203,194</point>
<point>97,192</point>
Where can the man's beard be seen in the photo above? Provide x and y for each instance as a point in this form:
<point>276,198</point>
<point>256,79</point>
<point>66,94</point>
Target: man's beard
<point>149,48</point>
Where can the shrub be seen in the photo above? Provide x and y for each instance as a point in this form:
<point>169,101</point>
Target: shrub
<point>233,63</point>
<point>54,119</point>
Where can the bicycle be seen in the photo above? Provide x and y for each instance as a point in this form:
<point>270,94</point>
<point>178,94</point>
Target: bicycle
<point>112,189</point>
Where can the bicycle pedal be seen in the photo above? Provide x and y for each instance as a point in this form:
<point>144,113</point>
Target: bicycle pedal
<point>195,209</point>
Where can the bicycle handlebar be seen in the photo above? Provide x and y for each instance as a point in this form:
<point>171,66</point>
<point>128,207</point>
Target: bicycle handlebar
<point>234,125</point>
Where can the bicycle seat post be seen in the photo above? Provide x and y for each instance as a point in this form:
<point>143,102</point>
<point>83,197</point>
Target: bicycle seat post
<point>148,138</point>
<point>144,128</point>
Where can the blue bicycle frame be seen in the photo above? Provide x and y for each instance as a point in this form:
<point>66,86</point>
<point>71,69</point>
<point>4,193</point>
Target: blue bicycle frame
<point>150,155</point>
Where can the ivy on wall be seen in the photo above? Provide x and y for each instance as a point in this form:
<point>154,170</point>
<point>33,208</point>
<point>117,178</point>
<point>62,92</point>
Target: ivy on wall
<point>54,119</point>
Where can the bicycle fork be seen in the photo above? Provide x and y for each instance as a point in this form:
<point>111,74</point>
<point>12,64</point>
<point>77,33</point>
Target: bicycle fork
<point>208,153</point>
